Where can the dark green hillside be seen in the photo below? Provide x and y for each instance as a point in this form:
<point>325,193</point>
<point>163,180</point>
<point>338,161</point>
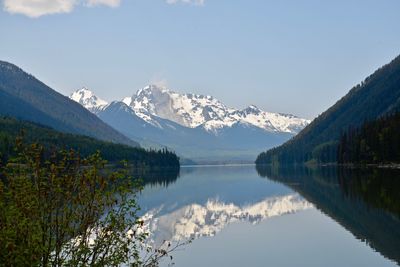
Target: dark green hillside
<point>378,95</point>
<point>375,142</point>
<point>53,140</point>
<point>24,97</point>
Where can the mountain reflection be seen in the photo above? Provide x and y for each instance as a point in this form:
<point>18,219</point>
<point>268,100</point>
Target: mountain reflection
<point>204,200</point>
<point>195,220</point>
<point>364,201</point>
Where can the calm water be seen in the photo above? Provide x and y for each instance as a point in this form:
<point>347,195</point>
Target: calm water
<point>240,216</point>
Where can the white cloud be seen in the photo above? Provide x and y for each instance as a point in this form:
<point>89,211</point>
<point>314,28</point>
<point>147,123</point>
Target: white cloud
<point>191,2</point>
<point>162,83</point>
<point>110,3</point>
<point>37,8</point>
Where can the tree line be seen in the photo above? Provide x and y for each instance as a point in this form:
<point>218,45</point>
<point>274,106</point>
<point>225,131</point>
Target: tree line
<point>53,140</point>
<point>374,142</point>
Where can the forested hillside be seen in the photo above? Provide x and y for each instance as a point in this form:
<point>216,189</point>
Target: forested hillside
<point>377,96</point>
<point>23,96</point>
<point>53,141</point>
<point>375,142</point>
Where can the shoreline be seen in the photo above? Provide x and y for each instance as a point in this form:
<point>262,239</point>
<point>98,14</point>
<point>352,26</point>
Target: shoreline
<point>218,165</point>
<point>347,165</point>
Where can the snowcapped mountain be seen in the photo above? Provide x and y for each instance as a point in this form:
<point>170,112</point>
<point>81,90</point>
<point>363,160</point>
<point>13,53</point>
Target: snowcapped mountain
<point>195,126</point>
<point>88,99</point>
<point>192,110</point>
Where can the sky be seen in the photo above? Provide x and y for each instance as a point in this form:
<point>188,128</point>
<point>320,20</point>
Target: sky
<point>289,56</point>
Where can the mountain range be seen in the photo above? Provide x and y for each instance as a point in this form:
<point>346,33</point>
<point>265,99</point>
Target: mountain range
<point>196,126</point>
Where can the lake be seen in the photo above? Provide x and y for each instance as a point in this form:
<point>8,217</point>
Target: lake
<point>243,216</point>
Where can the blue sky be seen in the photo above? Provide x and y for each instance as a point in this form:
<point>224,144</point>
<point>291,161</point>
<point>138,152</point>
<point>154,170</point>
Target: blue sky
<point>286,56</point>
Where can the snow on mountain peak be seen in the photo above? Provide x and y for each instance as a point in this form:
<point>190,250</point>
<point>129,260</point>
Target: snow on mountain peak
<point>194,110</point>
<point>189,110</point>
<point>127,100</point>
<point>88,99</point>
<point>252,109</point>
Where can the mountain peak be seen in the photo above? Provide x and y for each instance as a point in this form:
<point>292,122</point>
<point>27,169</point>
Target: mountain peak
<point>88,99</point>
<point>84,92</point>
<point>252,109</point>
<point>194,110</point>
<point>153,88</point>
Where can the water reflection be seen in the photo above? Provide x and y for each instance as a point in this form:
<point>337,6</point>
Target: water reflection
<point>205,200</point>
<point>194,221</point>
<point>364,201</point>
<point>156,177</point>
<point>378,188</point>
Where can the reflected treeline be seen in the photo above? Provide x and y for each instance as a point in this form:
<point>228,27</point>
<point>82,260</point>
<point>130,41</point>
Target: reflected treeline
<point>156,176</point>
<point>378,188</point>
<point>364,201</point>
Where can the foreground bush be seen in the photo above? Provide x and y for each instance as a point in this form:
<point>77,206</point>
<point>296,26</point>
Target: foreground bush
<point>68,211</point>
